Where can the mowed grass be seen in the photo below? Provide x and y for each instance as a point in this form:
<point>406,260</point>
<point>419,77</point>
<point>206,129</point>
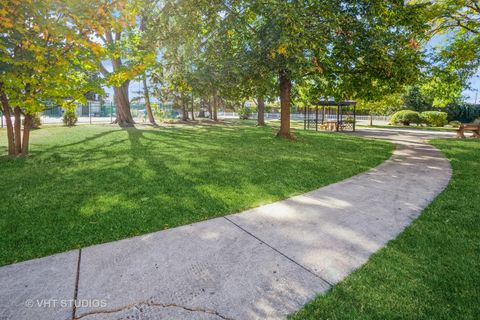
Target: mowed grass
<point>432,270</point>
<point>91,184</point>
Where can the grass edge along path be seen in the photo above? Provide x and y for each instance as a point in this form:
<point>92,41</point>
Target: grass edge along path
<point>93,184</point>
<point>432,269</point>
<point>419,128</point>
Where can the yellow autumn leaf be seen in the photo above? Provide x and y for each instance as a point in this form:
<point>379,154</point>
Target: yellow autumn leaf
<point>282,50</point>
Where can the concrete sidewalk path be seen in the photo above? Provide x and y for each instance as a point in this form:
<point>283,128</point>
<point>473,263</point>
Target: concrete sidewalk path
<point>264,263</point>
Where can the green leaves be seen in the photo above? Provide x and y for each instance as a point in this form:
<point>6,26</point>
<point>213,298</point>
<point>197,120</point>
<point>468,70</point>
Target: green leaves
<point>457,57</point>
<point>42,60</point>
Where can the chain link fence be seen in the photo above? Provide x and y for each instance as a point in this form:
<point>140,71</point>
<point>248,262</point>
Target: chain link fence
<point>96,113</point>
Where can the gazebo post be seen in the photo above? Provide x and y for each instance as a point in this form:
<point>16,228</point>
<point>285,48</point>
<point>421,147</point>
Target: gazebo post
<point>316,118</point>
<point>338,117</point>
<point>323,114</point>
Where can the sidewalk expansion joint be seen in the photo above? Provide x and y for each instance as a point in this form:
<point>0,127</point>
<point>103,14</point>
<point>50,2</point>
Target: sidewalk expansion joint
<point>77,278</point>
<point>279,252</point>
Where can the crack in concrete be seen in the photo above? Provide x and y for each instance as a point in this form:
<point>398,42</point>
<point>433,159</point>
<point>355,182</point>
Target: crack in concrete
<point>77,278</point>
<point>281,253</point>
<point>153,304</point>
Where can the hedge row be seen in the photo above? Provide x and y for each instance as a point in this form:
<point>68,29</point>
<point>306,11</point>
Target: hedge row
<point>429,118</point>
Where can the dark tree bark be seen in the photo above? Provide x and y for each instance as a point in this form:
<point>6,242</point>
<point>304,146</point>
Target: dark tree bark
<point>148,105</point>
<point>184,110</point>
<point>215,103</point>
<point>210,113</point>
<point>10,134</point>
<point>193,111</point>
<point>260,111</point>
<point>285,91</point>
<point>17,130</point>
<point>122,105</point>
<point>27,126</point>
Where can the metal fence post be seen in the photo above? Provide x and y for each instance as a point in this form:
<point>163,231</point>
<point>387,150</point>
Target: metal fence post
<point>90,111</point>
<point>111,112</point>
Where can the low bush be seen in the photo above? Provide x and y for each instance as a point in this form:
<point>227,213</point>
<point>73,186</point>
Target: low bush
<point>244,113</point>
<point>69,118</point>
<point>349,120</point>
<point>405,117</point>
<point>454,124</point>
<point>434,118</point>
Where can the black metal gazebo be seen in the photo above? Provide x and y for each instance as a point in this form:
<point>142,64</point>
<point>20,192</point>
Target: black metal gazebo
<point>325,122</point>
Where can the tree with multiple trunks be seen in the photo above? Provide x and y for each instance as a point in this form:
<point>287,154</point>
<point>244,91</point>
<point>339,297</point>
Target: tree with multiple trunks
<point>42,62</point>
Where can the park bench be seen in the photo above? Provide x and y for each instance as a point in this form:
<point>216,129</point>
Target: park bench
<point>475,128</point>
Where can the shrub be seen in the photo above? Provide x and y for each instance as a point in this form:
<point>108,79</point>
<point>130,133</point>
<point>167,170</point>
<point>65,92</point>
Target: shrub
<point>244,113</point>
<point>465,113</point>
<point>69,118</point>
<point>349,120</point>
<point>455,124</point>
<point>434,118</point>
<point>405,117</point>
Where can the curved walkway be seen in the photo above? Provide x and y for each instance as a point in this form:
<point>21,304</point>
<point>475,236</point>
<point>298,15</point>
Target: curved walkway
<point>263,263</point>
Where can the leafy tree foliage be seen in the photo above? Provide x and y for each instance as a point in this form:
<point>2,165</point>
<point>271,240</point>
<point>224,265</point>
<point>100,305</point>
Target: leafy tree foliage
<point>116,36</point>
<point>453,63</point>
<point>42,61</point>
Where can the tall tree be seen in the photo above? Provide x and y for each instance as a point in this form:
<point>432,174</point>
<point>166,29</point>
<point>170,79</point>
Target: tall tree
<point>116,33</point>
<point>350,47</point>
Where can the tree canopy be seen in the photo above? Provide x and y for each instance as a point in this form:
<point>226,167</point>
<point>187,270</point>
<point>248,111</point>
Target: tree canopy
<point>232,51</point>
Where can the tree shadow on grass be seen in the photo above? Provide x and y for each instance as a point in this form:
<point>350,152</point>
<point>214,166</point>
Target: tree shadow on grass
<point>120,183</point>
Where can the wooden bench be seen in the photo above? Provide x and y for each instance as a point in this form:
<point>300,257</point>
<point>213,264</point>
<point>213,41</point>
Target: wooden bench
<point>475,128</point>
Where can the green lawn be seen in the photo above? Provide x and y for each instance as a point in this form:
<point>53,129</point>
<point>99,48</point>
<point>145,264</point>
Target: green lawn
<point>432,270</point>
<point>93,184</point>
<point>446,129</point>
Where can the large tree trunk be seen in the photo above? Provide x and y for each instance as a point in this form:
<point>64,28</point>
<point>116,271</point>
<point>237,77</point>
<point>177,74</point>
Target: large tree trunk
<point>215,103</point>
<point>193,111</point>
<point>184,110</point>
<point>17,130</point>
<point>7,113</point>
<point>285,91</point>
<point>210,113</point>
<point>122,104</point>
<point>148,105</point>
<point>260,111</point>
<point>27,126</point>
